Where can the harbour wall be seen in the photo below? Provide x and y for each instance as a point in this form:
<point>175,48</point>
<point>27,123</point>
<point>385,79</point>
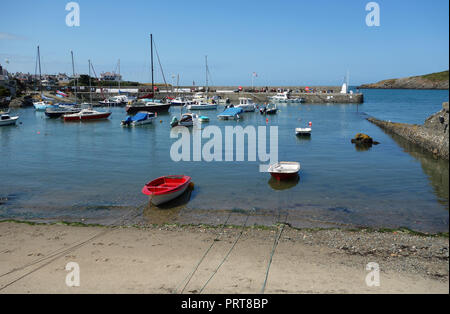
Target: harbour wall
<point>433,135</point>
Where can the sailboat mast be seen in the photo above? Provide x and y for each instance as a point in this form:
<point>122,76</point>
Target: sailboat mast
<point>206,63</point>
<point>119,76</point>
<point>90,87</point>
<point>74,78</point>
<point>40,74</point>
<point>151,54</point>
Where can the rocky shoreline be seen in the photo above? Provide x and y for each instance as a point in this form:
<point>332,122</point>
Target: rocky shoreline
<point>431,81</point>
<point>433,135</point>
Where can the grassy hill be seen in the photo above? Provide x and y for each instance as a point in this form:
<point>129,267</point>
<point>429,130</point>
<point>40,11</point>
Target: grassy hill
<point>438,80</point>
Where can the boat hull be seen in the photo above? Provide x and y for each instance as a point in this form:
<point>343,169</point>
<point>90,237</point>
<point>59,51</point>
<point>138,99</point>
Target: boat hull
<point>11,121</point>
<point>284,170</point>
<point>202,107</point>
<point>284,176</point>
<point>75,117</point>
<point>151,108</point>
<point>165,189</point>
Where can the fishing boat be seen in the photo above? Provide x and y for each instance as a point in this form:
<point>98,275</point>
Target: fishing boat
<point>246,104</point>
<point>303,131</point>
<point>6,119</point>
<point>180,101</point>
<point>284,98</point>
<point>269,109</point>
<point>87,115</point>
<point>202,106</point>
<point>165,189</point>
<point>230,114</point>
<point>284,170</point>
<point>187,119</point>
<point>141,118</point>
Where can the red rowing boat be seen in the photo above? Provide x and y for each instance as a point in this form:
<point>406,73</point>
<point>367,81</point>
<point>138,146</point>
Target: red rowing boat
<point>166,188</point>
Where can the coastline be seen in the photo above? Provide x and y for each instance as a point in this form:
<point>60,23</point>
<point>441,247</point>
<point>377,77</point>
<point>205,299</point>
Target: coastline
<point>433,135</point>
<point>157,259</point>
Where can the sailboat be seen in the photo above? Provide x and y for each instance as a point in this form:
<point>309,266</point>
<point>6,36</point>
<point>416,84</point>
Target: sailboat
<point>202,103</point>
<point>86,114</point>
<point>151,105</point>
<point>64,109</point>
<point>41,105</point>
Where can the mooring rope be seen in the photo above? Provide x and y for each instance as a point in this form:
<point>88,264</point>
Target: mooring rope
<point>190,275</point>
<point>226,256</point>
<point>56,254</point>
<point>275,244</point>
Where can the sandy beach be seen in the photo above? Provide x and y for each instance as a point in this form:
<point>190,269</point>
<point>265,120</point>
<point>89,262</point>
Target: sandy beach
<point>199,259</point>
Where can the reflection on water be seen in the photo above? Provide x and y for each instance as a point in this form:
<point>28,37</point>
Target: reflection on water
<point>95,171</point>
<point>280,185</point>
<point>436,169</point>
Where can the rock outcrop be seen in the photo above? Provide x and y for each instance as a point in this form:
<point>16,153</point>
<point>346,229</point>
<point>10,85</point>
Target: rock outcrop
<point>433,135</point>
<point>430,81</point>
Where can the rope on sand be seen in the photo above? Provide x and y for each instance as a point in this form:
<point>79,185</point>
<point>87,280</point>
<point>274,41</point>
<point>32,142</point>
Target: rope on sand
<point>190,275</point>
<point>58,253</point>
<point>275,244</point>
<point>226,256</point>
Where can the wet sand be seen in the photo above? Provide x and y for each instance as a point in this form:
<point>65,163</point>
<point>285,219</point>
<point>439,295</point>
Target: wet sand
<point>173,259</point>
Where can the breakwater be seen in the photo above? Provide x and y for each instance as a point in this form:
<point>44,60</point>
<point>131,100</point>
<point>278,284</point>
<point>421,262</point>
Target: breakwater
<point>433,135</point>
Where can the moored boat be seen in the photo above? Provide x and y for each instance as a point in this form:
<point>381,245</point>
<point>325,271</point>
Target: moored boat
<point>203,119</point>
<point>303,131</point>
<point>187,119</point>
<point>269,109</point>
<point>87,115</point>
<point>59,111</point>
<point>42,105</point>
<point>230,114</point>
<point>246,104</point>
<point>141,118</point>
<point>167,188</point>
<point>6,119</point>
<point>284,170</point>
<point>202,106</point>
<point>147,106</point>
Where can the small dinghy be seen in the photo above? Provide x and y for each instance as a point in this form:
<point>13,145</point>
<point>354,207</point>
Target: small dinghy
<point>303,131</point>
<point>6,119</point>
<point>141,118</point>
<point>187,119</point>
<point>284,170</point>
<point>203,119</point>
<point>165,189</point>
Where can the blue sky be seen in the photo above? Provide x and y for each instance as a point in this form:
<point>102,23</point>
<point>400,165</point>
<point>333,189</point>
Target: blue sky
<point>285,42</point>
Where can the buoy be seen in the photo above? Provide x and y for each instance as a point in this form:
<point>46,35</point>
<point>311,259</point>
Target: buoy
<point>267,120</point>
<point>310,123</point>
<point>160,121</point>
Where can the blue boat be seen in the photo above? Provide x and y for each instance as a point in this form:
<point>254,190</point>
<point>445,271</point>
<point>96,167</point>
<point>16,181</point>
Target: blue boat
<point>230,114</point>
<point>140,118</point>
